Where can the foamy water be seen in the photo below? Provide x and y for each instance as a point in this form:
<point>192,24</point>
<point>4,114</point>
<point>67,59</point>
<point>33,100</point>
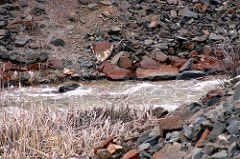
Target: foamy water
<point>166,94</point>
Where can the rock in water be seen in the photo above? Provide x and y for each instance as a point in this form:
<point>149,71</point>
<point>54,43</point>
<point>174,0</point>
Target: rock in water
<point>69,87</point>
<point>187,75</point>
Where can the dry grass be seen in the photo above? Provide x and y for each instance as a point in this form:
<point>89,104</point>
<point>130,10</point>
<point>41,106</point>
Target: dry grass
<point>57,133</point>
<point>231,64</point>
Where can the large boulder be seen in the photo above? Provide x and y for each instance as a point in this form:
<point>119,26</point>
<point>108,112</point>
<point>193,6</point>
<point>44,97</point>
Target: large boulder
<point>163,72</point>
<point>116,73</point>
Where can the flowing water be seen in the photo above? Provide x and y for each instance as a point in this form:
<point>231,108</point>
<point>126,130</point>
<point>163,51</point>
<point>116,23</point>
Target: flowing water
<point>166,94</point>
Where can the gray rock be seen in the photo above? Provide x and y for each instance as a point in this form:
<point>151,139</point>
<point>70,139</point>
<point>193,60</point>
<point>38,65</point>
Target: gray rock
<point>233,150</point>
<point>173,137</point>
<point>69,87</point>
<point>197,153</point>
<point>144,146</point>
<point>56,41</point>
<point>43,56</point>
<point>38,10</point>
<point>220,155</point>
<point>236,95</point>
<point>188,75</point>
<point>234,128</point>
<point>188,132</point>
<point>214,36</point>
<point>161,46</point>
<point>21,40</point>
<point>218,128</point>
<point>115,29</point>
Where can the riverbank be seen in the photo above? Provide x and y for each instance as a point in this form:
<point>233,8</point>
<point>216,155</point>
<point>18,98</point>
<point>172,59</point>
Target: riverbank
<point>205,129</point>
<point>51,42</point>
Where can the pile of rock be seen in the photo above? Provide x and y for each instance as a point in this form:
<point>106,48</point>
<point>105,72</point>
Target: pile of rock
<point>207,129</point>
<point>160,39</point>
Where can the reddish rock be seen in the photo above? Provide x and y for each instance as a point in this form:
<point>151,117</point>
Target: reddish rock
<point>148,63</point>
<point>169,124</point>
<point>112,148</point>
<point>163,72</point>
<point>206,65</point>
<point>103,51</point>
<point>125,62</point>
<point>194,53</point>
<point>177,62</point>
<point>37,67</point>
<point>104,144</point>
<point>203,138</point>
<point>173,151</point>
<point>213,93</point>
<point>6,66</point>
<point>133,154</point>
<point>207,51</point>
<point>115,72</point>
<point>56,64</point>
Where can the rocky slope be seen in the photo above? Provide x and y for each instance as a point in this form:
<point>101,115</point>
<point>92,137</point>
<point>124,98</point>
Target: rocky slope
<point>206,129</point>
<point>47,41</point>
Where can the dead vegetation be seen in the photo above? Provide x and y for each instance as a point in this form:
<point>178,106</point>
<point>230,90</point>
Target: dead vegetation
<point>44,133</point>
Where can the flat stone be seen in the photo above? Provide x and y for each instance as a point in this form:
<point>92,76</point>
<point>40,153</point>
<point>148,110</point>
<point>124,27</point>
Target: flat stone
<point>187,75</point>
<point>132,154</point>
<point>164,72</point>
<point>176,124</point>
<point>234,128</point>
<point>56,41</point>
<point>116,73</point>
<point>187,66</point>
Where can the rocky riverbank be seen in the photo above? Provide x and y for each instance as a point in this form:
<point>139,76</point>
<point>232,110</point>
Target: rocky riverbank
<point>44,42</point>
<point>206,129</point>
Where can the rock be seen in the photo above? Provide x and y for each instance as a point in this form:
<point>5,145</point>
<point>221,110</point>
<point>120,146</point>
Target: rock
<point>43,56</point>
<point>161,46</point>
<point>220,155</point>
<point>69,87</point>
<point>176,124</point>
<point>21,40</point>
<point>38,10</point>
<point>5,35</point>
<point>159,55</point>
<point>173,137</point>
<point>234,128</point>
<point>233,150</point>
<point>159,112</point>
<point>103,154</point>
<point>115,29</point>
<point>103,51</point>
<point>56,64</point>
<point>187,75</point>
<point>132,154</point>
<point>125,62</point>
<point>68,71</point>
<point>116,73</point>
<point>188,132</point>
<point>170,152</point>
<point>115,58</point>
<point>203,138</point>
<point>185,12</point>
<point>236,95</point>
<point>148,63</point>
<point>56,41</point>
<point>6,66</point>
<point>86,63</point>
<point>17,57</point>
<point>187,66</point>
<point>197,153</point>
<point>3,53</point>
<point>104,144</point>
<point>214,36</point>
<point>164,72</point>
<point>218,128</point>
<point>212,96</point>
<point>113,149</point>
<point>144,146</point>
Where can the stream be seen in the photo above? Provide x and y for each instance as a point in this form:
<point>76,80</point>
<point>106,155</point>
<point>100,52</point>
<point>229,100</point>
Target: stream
<point>166,94</point>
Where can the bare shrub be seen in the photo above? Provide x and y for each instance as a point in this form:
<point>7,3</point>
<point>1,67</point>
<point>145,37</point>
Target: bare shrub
<point>43,133</point>
<point>231,62</point>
